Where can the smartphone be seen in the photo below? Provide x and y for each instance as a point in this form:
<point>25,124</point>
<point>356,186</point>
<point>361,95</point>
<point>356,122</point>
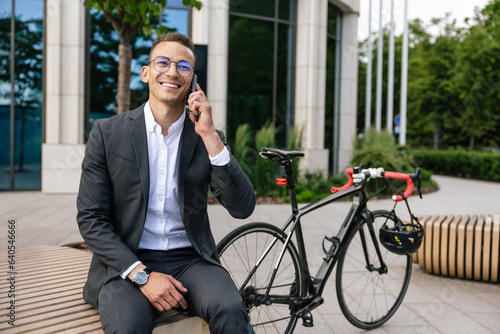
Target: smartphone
<point>193,89</point>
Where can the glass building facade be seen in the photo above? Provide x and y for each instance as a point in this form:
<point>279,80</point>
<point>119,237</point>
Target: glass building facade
<point>21,93</point>
<point>260,66</point>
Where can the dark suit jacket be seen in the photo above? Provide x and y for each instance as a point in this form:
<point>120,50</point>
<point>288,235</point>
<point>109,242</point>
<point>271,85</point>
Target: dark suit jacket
<point>114,191</point>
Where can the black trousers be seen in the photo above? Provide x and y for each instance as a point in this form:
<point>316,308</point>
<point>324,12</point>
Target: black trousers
<point>212,295</point>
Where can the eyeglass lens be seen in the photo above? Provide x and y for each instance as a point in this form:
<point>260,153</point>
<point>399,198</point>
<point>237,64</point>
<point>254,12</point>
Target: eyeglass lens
<point>162,64</point>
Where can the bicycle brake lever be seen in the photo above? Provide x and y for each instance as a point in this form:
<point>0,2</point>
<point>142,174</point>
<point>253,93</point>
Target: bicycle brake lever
<point>419,188</point>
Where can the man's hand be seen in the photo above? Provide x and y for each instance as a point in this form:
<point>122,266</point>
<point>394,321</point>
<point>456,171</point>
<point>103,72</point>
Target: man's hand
<point>204,127</point>
<point>164,292</point>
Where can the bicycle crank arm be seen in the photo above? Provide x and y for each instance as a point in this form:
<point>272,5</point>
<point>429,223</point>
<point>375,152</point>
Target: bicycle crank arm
<point>317,301</point>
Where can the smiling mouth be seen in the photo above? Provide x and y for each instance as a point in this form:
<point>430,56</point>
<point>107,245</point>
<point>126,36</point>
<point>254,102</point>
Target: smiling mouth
<point>164,84</point>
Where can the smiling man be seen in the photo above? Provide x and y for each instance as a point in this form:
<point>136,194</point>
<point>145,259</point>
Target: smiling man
<point>142,204</point>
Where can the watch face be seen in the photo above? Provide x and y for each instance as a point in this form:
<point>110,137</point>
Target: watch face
<point>141,277</point>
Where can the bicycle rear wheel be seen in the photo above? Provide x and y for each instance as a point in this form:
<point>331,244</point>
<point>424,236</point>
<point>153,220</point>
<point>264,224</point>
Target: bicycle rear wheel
<point>367,297</point>
<point>240,252</point>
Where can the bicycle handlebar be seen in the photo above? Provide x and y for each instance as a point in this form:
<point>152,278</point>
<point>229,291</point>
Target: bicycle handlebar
<point>349,183</point>
<point>410,179</point>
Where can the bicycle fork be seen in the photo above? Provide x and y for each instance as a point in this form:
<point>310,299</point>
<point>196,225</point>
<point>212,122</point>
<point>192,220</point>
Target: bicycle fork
<point>370,266</point>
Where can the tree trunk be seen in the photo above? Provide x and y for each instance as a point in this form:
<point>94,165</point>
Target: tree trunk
<point>124,63</point>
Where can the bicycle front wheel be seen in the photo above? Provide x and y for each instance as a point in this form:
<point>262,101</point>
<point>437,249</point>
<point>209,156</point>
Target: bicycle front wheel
<point>369,295</point>
<point>250,253</point>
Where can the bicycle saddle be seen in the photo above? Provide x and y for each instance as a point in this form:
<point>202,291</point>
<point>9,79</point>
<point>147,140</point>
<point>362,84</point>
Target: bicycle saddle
<point>270,153</point>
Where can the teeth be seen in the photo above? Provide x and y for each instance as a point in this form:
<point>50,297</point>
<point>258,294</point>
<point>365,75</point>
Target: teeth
<point>169,85</point>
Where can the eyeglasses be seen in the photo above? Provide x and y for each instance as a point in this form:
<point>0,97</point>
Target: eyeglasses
<point>162,64</point>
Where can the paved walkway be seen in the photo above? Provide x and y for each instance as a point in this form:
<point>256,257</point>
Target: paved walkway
<point>433,304</point>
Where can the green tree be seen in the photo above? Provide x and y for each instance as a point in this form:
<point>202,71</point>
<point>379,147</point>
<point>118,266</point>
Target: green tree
<point>127,18</point>
<point>432,94</point>
<point>477,77</point>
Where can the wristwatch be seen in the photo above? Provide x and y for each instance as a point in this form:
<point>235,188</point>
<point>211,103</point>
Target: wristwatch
<point>141,277</point>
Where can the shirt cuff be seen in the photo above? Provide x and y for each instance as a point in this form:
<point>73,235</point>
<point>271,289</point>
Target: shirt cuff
<point>220,159</point>
<point>129,270</point>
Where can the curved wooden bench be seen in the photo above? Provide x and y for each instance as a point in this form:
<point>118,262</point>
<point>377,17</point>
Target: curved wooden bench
<point>461,246</point>
<point>49,299</point>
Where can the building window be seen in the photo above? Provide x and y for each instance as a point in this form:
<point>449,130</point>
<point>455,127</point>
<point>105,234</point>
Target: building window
<point>332,114</point>
<point>260,66</point>
<point>103,66</point>
<point>21,96</point>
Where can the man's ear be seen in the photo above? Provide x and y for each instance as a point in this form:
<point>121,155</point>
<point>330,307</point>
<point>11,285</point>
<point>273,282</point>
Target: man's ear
<point>145,74</point>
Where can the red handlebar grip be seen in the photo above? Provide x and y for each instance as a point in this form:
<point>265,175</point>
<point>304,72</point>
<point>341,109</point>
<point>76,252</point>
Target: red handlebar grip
<point>349,183</point>
<point>401,176</point>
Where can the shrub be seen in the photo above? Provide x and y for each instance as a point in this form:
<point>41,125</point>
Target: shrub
<point>378,149</point>
<point>460,162</point>
<point>242,151</point>
<point>264,169</point>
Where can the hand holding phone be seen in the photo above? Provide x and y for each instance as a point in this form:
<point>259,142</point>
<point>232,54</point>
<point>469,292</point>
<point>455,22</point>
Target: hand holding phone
<point>193,89</point>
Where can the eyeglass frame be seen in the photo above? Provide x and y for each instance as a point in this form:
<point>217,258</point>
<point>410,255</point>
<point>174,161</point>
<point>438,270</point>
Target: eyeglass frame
<point>176,66</point>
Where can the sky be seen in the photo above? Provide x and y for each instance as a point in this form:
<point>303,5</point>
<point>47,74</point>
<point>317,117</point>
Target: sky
<point>422,9</point>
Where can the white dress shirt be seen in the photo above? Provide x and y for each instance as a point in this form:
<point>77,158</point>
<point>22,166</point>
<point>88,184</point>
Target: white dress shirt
<point>163,229</point>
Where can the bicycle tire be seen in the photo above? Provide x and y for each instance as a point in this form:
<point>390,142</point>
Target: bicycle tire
<point>368,298</point>
<point>240,250</point>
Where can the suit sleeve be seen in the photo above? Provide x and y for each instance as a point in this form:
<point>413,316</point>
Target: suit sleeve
<point>94,203</point>
<point>232,188</point>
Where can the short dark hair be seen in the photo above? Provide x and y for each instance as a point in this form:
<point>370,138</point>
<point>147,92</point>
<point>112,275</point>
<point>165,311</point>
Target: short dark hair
<point>172,37</point>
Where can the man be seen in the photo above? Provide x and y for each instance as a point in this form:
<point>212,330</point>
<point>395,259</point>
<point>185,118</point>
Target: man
<point>142,204</point>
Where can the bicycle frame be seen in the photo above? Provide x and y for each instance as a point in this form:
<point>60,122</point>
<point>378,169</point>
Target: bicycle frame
<point>315,288</point>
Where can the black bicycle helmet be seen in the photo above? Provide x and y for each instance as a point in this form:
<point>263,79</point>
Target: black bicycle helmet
<point>403,239</point>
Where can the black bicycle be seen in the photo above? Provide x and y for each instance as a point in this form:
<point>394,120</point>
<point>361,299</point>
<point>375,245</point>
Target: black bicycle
<point>272,273</point>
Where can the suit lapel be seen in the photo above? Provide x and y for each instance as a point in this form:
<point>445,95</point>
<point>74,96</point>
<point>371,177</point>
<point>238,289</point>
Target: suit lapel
<point>187,146</point>
<point>137,128</point>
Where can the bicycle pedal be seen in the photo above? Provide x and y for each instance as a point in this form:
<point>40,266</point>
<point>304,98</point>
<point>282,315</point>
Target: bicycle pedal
<point>307,320</point>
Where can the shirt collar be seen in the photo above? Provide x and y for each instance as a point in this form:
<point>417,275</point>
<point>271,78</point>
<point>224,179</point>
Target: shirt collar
<point>151,123</point>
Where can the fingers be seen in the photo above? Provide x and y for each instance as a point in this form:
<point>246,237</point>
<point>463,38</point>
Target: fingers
<point>163,292</point>
<point>176,300</point>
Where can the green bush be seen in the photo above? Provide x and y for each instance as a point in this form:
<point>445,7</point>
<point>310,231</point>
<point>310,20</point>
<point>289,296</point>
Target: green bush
<point>460,162</point>
<point>264,169</point>
<point>378,149</point>
<point>241,149</point>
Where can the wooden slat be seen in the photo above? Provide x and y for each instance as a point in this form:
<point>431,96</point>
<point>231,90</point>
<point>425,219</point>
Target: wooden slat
<point>429,232</point>
<point>452,262</point>
<point>421,250</point>
<point>469,247</point>
<point>495,248</point>
<point>461,228</point>
<point>487,248</point>
<point>436,244</point>
<point>444,245</point>
<point>478,248</point>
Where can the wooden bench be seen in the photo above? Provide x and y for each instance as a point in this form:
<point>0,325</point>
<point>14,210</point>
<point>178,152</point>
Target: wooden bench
<point>48,296</point>
<point>463,246</point>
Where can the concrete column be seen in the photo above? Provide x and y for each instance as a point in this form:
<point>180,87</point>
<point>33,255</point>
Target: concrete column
<point>310,82</point>
<point>211,26</point>
<point>348,88</point>
<point>63,149</point>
